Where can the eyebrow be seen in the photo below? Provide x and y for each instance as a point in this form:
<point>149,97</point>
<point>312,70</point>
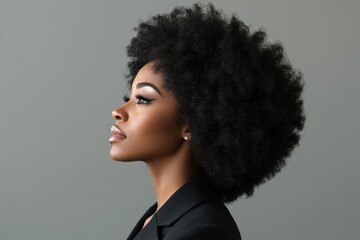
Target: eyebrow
<point>147,84</point>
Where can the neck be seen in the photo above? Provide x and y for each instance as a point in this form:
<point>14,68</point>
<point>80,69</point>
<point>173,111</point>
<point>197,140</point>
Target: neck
<point>169,174</point>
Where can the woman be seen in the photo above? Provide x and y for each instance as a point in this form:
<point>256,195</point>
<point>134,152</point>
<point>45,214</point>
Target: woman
<point>214,111</point>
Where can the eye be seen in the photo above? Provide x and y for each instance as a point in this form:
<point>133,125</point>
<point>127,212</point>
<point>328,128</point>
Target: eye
<point>142,100</point>
<point>126,98</point>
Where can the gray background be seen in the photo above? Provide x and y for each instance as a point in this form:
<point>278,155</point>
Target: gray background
<point>62,66</point>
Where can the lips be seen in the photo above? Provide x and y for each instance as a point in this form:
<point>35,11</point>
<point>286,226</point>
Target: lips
<point>116,134</point>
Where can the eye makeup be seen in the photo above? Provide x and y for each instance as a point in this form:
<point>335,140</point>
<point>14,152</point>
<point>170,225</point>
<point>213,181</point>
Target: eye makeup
<point>140,99</point>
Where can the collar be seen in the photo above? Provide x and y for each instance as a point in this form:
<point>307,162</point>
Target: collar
<point>188,196</point>
<point>191,194</point>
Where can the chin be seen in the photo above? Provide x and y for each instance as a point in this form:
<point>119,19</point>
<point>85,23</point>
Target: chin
<point>116,155</point>
<point>121,157</point>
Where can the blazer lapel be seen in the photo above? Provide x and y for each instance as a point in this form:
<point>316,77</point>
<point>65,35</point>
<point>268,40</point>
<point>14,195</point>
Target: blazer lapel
<point>193,193</point>
<point>149,231</point>
<point>183,200</point>
<point>138,229</point>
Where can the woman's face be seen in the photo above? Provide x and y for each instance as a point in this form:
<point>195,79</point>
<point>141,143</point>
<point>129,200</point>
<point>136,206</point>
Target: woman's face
<point>146,126</point>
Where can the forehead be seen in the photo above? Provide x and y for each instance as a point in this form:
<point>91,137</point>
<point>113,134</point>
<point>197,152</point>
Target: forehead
<point>148,74</point>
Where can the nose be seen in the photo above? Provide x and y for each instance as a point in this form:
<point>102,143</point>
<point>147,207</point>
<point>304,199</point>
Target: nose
<point>119,114</point>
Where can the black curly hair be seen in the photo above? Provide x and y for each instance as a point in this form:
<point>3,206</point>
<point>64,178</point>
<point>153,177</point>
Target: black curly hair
<point>238,93</point>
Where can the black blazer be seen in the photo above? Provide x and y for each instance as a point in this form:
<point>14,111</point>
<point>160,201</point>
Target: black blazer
<point>193,212</point>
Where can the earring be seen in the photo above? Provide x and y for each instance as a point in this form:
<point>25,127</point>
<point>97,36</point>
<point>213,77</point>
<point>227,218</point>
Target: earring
<point>186,138</point>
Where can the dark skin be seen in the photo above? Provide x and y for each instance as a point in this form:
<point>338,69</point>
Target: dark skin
<point>147,128</point>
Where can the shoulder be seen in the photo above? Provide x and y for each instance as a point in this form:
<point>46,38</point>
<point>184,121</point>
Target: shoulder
<point>209,220</point>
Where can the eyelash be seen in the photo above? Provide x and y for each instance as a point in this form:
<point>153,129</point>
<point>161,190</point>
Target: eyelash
<point>140,99</point>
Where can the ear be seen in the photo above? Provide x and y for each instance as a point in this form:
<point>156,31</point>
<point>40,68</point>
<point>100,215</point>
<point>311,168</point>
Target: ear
<point>186,133</point>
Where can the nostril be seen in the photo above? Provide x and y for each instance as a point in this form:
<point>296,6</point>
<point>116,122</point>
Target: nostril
<point>119,115</point>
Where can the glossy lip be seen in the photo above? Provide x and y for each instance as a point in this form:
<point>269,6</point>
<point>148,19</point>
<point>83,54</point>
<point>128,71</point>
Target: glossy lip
<point>116,134</point>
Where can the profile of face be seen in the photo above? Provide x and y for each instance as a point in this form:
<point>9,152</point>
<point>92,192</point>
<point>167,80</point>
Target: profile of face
<point>146,125</point>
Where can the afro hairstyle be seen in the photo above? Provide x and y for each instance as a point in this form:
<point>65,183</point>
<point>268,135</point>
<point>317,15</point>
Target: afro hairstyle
<point>238,93</point>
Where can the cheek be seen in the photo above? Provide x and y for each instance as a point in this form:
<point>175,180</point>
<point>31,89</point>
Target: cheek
<point>157,127</point>
<point>156,131</point>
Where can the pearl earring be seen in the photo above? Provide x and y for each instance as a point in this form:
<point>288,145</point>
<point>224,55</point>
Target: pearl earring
<point>186,137</point>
